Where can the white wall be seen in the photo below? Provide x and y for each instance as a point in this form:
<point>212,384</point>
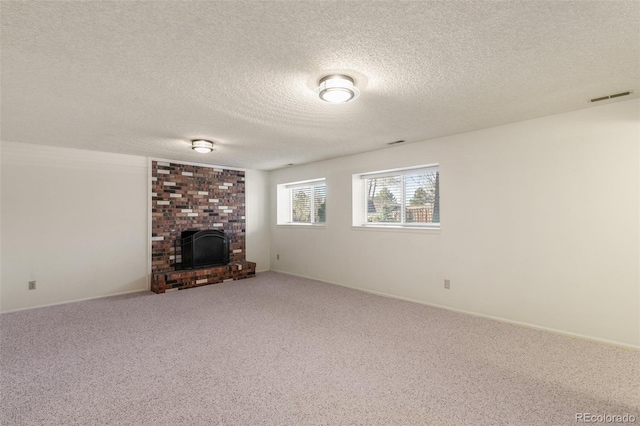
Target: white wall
<point>257,214</point>
<point>1,147</point>
<point>539,225</point>
<point>77,222</point>
<point>74,221</point>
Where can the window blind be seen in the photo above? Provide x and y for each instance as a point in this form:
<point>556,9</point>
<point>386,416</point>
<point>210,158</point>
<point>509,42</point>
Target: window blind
<point>403,197</point>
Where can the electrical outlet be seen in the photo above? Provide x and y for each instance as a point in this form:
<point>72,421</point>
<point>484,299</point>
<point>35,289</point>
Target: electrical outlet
<point>447,284</point>
<point>277,256</point>
<point>32,285</point>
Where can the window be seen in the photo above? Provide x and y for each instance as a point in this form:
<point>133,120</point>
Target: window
<point>407,197</point>
<point>302,203</point>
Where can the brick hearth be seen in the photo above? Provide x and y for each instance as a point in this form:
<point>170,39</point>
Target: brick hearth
<point>181,279</point>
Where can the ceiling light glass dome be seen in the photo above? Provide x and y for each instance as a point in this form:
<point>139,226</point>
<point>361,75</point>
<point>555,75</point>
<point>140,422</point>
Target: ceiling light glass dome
<point>337,89</point>
<point>202,146</point>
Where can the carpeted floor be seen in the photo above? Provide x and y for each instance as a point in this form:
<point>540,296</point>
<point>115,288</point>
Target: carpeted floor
<point>280,350</point>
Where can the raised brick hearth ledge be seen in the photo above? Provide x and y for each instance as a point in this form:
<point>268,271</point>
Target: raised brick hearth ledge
<point>187,278</point>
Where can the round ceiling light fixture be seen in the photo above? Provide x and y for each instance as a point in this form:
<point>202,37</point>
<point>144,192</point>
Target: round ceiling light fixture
<point>337,89</point>
<point>202,146</point>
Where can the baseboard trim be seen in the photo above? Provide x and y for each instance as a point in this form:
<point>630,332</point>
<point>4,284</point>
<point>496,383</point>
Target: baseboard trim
<point>73,301</point>
<point>475,314</point>
<point>89,298</point>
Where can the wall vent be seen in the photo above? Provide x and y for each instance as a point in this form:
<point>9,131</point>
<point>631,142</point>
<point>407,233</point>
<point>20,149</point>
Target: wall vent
<point>617,95</point>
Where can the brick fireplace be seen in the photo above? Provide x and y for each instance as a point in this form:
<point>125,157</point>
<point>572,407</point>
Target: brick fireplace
<point>186,198</point>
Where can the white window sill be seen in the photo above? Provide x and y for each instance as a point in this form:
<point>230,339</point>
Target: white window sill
<point>301,225</point>
<point>391,228</point>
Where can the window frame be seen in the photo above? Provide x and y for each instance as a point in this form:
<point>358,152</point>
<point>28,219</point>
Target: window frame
<point>360,219</point>
<point>288,214</point>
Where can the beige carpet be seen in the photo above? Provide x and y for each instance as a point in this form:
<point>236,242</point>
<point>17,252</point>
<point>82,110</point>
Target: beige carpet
<point>279,350</point>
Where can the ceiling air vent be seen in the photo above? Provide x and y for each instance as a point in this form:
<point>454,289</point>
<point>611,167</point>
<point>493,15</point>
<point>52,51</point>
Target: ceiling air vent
<point>395,143</point>
<point>604,98</point>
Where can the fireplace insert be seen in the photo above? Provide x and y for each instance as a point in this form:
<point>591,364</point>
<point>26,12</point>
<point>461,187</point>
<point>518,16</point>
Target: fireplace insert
<point>204,248</point>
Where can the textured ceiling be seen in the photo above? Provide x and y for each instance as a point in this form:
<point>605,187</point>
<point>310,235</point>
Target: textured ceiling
<point>144,78</point>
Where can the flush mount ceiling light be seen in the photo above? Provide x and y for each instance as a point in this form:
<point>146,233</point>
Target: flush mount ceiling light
<point>337,89</point>
<point>202,146</point>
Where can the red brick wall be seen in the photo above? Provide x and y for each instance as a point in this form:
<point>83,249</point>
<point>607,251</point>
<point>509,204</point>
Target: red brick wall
<point>187,197</point>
